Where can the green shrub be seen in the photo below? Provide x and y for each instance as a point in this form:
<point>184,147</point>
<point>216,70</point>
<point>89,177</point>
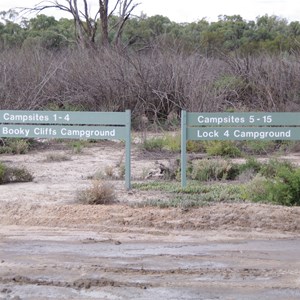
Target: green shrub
<point>2,172</point>
<point>9,174</point>
<point>258,147</point>
<point>168,142</point>
<point>78,145</point>
<point>222,148</point>
<point>274,166</point>
<point>283,188</point>
<point>195,146</point>
<point>153,144</point>
<point>15,146</point>
<point>256,189</point>
<point>172,142</point>
<point>212,169</point>
<point>194,195</point>
<point>251,164</point>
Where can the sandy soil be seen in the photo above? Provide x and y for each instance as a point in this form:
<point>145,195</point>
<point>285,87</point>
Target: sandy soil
<point>51,247</point>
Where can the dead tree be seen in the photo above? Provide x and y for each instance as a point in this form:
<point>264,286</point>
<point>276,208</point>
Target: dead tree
<point>86,25</point>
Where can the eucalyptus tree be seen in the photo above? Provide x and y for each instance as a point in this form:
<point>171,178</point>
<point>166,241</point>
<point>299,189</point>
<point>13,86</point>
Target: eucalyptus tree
<point>87,22</point>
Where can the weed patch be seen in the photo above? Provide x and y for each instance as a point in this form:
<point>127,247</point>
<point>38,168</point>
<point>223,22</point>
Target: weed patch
<point>98,193</point>
<point>9,174</point>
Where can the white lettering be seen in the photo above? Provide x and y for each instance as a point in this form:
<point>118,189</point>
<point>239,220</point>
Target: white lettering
<point>207,134</point>
<point>84,133</point>
<point>20,132</point>
<point>34,117</point>
<point>46,131</point>
<point>262,134</point>
<point>230,119</point>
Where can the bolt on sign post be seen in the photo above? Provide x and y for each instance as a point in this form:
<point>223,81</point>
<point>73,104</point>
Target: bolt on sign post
<point>70,125</point>
<point>259,126</point>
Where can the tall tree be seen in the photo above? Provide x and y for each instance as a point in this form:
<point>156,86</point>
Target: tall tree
<point>86,25</point>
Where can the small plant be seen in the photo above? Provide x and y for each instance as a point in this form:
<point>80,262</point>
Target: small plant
<point>153,144</point>
<point>195,195</point>
<point>251,164</point>
<point>15,146</point>
<point>57,157</point>
<point>169,142</point>
<point>278,182</point>
<point>9,174</point>
<point>258,147</point>
<point>122,171</point>
<point>274,167</point>
<point>222,148</point>
<point>78,145</point>
<point>98,193</point>
<point>211,169</point>
<point>172,142</point>
<point>195,146</point>
<point>109,171</point>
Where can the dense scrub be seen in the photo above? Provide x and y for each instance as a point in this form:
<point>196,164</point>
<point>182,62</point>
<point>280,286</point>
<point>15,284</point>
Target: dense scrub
<point>157,83</point>
<point>157,67</point>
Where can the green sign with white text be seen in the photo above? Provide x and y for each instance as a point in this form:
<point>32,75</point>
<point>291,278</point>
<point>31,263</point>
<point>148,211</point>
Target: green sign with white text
<point>70,125</point>
<point>65,132</point>
<point>259,126</point>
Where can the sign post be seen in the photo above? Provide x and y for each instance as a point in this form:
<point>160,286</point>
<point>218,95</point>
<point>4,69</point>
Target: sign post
<point>70,125</point>
<point>260,126</point>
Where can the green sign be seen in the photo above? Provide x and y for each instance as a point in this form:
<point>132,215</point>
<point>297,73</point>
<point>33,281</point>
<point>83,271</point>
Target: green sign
<point>243,133</point>
<point>62,117</point>
<point>260,126</point>
<point>242,119</point>
<point>66,132</point>
<point>70,125</point>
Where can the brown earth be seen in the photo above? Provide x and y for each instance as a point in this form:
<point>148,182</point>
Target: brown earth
<point>51,247</point>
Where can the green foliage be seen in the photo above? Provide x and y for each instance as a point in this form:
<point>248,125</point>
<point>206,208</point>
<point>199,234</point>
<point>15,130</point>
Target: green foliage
<point>153,144</point>
<point>168,142</point>
<point>251,164</point>
<point>2,172</point>
<point>195,146</point>
<point>273,167</point>
<point>222,148</point>
<point>277,182</point>
<point>171,142</point>
<point>15,146</point>
<point>228,34</point>
<point>11,174</point>
<point>259,147</point>
<point>212,169</point>
<point>195,195</point>
<point>77,146</point>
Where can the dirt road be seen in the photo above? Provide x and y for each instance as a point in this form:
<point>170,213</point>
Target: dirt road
<point>54,248</point>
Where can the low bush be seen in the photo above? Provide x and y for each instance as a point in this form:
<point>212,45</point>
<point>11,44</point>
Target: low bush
<point>212,169</point>
<point>274,166</point>
<point>14,146</point>
<point>277,182</point>
<point>222,148</point>
<point>57,157</point>
<point>153,144</point>
<point>98,193</point>
<point>194,195</point>
<point>11,174</point>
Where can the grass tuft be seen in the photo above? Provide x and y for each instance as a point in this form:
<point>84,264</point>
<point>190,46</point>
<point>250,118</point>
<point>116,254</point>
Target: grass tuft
<point>99,193</point>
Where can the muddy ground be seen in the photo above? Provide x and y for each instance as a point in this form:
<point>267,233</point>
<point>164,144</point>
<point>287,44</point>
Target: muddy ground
<point>52,247</point>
